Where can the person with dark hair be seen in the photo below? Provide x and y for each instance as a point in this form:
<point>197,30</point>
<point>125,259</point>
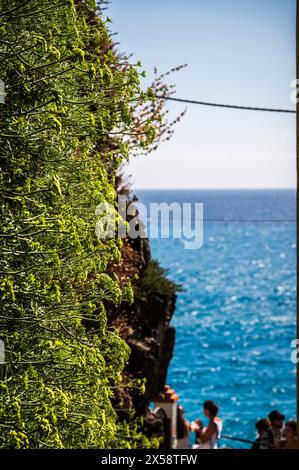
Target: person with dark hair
<point>207,438</point>
<point>290,435</point>
<point>276,427</point>
<point>183,429</point>
<point>264,438</point>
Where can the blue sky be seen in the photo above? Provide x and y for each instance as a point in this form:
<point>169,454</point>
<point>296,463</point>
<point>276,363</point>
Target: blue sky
<point>239,52</point>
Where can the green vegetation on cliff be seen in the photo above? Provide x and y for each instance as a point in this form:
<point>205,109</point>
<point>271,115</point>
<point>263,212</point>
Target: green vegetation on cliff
<point>155,280</point>
<point>73,112</point>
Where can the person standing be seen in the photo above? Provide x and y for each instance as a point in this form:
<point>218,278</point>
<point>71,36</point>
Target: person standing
<point>183,428</point>
<point>276,426</point>
<point>290,435</point>
<point>264,437</point>
<point>207,438</point>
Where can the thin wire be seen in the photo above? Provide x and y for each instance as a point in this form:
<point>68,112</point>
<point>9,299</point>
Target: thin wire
<point>257,221</point>
<point>230,106</point>
<point>247,441</point>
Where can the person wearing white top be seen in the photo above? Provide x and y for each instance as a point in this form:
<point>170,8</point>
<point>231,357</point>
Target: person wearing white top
<point>207,438</point>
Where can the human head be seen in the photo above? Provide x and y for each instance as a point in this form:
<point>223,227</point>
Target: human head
<point>276,419</point>
<point>290,431</point>
<point>262,426</point>
<point>210,409</point>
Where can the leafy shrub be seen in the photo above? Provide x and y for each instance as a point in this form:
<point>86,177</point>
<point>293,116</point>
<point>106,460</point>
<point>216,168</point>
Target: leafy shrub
<point>68,121</point>
<point>155,280</point>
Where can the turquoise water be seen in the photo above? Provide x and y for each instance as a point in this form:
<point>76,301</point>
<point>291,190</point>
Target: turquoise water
<point>235,319</point>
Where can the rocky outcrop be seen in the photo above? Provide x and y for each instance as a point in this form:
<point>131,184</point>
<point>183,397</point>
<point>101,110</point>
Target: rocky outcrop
<point>145,325</point>
<point>152,344</point>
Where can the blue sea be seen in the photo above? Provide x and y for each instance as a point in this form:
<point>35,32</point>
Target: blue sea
<point>236,317</point>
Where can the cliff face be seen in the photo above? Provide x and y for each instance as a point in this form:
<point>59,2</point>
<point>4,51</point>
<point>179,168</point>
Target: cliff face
<point>145,325</point>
